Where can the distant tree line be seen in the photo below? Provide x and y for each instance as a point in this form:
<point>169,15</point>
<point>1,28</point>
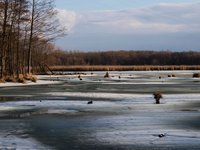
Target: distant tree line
<point>62,58</point>
<point>26,29</point>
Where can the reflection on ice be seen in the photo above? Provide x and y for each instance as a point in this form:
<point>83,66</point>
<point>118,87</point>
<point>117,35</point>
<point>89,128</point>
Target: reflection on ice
<point>14,142</point>
<point>14,136</point>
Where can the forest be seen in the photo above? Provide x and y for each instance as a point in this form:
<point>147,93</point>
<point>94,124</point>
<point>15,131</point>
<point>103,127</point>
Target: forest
<point>27,28</point>
<point>123,58</point>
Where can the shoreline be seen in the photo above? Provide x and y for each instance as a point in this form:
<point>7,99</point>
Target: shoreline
<point>40,81</point>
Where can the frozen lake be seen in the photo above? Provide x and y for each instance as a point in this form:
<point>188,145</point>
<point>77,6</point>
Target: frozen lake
<point>123,114</point>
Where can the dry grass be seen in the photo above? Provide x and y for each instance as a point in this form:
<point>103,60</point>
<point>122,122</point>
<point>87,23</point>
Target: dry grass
<point>2,81</point>
<point>10,79</point>
<point>20,79</point>
<point>122,68</point>
<point>27,76</point>
<point>30,77</point>
<point>34,79</point>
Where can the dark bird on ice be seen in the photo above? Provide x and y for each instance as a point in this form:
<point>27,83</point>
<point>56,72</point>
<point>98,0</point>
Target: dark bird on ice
<point>90,102</point>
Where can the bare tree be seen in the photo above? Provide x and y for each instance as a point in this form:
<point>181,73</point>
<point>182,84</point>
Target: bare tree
<point>4,16</point>
<point>43,24</point>
<point>26,29</point>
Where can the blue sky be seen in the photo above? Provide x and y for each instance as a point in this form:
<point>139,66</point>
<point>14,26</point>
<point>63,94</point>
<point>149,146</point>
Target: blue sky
<point>129,24</point>
<point>88,5</point>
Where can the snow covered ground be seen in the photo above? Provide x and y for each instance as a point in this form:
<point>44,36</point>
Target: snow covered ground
<point>28,83</point>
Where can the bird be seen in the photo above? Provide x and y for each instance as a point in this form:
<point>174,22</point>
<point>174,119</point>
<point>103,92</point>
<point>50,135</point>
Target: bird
<point>161,135</point>
<point>90,102</point>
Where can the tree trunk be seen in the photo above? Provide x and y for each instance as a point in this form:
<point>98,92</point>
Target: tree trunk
<point>3,54</point>
<point>31,37</point>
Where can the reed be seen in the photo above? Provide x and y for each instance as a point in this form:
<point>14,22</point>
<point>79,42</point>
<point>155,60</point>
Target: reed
<point>123,68</point>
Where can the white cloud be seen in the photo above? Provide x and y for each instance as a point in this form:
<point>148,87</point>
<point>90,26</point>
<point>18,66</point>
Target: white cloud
<point>157,19</point>
<point>174,26</point>
<point>68,19</point>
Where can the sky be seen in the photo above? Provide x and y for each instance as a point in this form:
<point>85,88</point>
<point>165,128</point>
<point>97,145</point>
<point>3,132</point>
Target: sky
<point>100,25</point>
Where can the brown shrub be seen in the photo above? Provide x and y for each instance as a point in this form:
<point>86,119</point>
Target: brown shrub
<point>173,75</point>
<point>106,75</point>
<point>10,79</point>
<point>196,75</point>
<point>157,97</point>
<point>21,76</point>
<point>30,77</point>
<point>27,76</point>
<point>34,79</point>
<point>21,80</point>
<point>2,81</point>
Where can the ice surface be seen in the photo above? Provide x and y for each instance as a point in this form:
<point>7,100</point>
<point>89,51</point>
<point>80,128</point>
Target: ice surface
<point>123,114</point>
<point>39,82</point>
<point>11,142</point>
